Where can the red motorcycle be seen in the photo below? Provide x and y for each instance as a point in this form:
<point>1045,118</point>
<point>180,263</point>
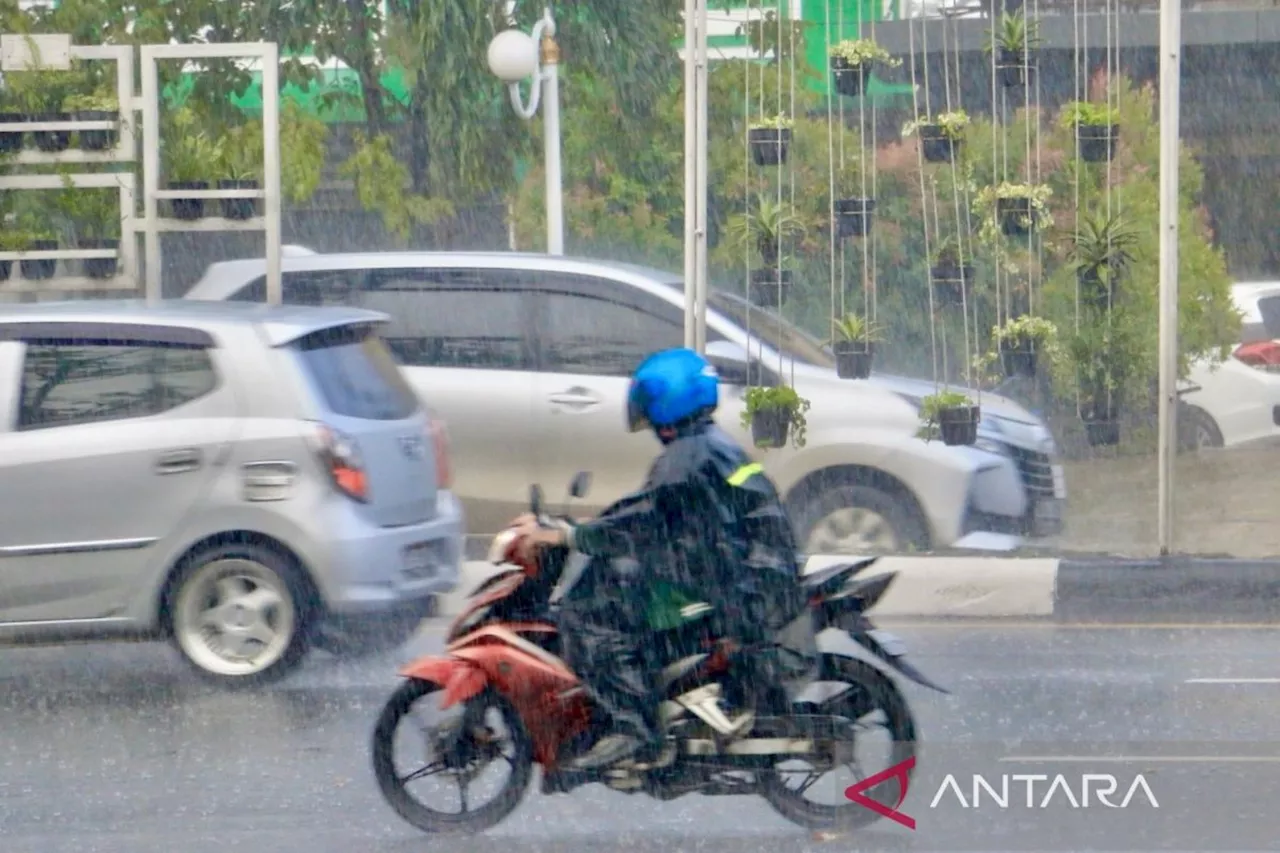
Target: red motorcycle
<point>515,703</point>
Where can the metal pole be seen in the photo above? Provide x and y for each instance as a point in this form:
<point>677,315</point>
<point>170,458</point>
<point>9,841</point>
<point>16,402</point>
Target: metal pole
<point>551,141</point>
<point>271,169</point>
<point>700,272</point>
<point>690,173</point>
<point>1170,96</point>
<point>150,170</point>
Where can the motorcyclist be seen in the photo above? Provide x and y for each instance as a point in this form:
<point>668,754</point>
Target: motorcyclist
<point>706,519</point>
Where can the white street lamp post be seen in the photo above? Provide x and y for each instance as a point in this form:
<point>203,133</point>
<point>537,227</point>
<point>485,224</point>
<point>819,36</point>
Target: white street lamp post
<point>515,56</point>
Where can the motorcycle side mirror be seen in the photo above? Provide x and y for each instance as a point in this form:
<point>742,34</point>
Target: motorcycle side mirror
<point>580,485</point>
<point>535,499</point>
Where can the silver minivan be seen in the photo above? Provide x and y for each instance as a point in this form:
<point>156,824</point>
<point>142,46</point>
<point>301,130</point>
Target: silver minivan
<point>246,480</point>
<point>528,356</point>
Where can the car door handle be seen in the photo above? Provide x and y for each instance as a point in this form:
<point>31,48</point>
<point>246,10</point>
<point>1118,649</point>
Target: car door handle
<point>179,461</point>
<point>576,397</point>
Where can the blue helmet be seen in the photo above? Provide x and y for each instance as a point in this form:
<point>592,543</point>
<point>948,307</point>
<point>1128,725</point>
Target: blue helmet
<point>669,387</point>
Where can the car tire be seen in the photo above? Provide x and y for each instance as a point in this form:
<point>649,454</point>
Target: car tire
<point>1197,430</point>
<point>888,524</point>
<point>240,614</point>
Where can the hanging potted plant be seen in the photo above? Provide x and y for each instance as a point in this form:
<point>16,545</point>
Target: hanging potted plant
<point>1019,208</point>
<point>1021,341</point>
<point>941,138</point>
<point>951,414</point>
<point>851,63</point>
<point>854,216</point>
<point>853,345</point>
<point>770,286</point>
<point>1097,129</point>
<point>950,269</point>
<point>98,106</point>
<point>1102,248</point>
<point>766,225</point>
<point>242,153</point>
<point>1013,40</point>
<point>769,140</point>
<point>773,413</point>
<point>1100,411</point>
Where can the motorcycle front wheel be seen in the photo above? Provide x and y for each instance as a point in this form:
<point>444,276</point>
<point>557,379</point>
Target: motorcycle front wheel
<point>866,693</point>
<point>485,732</point>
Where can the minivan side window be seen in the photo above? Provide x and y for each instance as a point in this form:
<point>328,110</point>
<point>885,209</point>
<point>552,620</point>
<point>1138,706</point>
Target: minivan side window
<point>445,318</point>
<point>65,382</point>
<point>595,335</point>
<point>318,287</point>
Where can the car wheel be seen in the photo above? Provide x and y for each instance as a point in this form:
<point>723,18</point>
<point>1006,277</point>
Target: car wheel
<point>240,614</point>
<point>845,518</point>
<point>1197,430</point>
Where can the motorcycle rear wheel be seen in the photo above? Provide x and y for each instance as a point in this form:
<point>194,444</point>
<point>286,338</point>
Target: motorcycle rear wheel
<point>870,690</point>
<point>394,787</point>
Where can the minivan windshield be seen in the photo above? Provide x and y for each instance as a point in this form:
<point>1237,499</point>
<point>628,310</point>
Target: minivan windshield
<point>770,328</point>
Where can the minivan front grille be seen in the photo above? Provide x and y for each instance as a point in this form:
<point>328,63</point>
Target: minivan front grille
<point>1036,471</point>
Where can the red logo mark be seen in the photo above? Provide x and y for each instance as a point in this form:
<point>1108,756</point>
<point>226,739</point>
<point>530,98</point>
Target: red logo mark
<point>901,772</point>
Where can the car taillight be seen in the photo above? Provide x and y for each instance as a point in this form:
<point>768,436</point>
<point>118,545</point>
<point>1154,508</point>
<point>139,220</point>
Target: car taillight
<point>1262,355</point>
<point>438,432</point>
<point>341,457</point>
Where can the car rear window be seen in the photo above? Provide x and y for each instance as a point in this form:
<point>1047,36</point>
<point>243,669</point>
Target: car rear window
<point>356,374</point>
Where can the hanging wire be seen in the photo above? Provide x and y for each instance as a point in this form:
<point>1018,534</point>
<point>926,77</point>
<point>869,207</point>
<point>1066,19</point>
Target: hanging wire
<point>873,238</point>
<point>746,178</point>
<point>777,61</point>
<point>995,149</point>
<point>955,196</point>
<point>831,167</point>
<point>924,196</point>
<point>844,129</point>
<point>1039,176</point>
<point>966,239</point>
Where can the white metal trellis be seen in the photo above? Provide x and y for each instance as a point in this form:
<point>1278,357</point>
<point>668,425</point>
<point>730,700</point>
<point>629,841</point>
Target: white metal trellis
<point>695,174</point>
<point>54,52</point>
<point>268,54</point>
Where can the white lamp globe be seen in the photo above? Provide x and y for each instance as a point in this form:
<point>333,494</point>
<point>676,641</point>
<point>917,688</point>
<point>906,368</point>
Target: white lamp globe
<point>513,56</point>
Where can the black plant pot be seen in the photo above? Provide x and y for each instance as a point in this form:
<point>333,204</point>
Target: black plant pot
<point>1097,141</point>
<point>1018,358</point>
<point>239,208</point>
<point>770,427</point>
<point>1101,421</point>
<point>768,289</point>
<point>854,216</point>
<point>52,140</point>
<point>40,269</point>
<point>853,359</point>
<point>948,286</point>
<point>1010,70</point>
<point>958,425</point>
<point>187,209</point>
<point>769,145</point>
<point>1016,216</point>
<point>10,140</point>
<point>99,267</point>
<point>936,145</point>
<point>97,140</point>
<point>849,80</point>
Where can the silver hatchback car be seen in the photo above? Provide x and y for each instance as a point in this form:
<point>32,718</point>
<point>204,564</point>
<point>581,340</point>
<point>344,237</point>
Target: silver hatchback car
<point>246,480</point>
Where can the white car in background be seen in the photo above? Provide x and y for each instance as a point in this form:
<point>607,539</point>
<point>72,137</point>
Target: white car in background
<point>1238,401</point>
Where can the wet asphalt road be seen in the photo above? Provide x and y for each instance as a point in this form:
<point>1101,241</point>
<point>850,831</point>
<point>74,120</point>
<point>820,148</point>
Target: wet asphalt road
<point>116,749</point>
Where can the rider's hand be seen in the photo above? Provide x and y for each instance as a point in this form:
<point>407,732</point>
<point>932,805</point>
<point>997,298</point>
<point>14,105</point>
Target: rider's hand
<point>533,537</point>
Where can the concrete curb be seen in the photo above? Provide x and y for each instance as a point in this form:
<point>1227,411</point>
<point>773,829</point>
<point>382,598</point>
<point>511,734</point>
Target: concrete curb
<point>1090,589</point>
